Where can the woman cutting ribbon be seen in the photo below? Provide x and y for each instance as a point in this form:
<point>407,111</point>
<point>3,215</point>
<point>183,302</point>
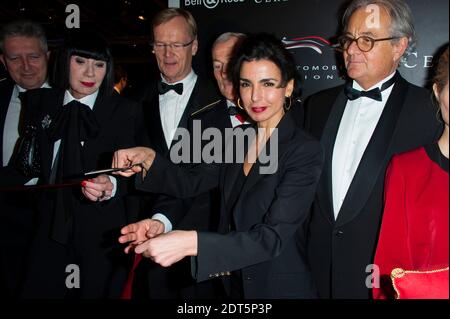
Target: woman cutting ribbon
<point>74,251</point>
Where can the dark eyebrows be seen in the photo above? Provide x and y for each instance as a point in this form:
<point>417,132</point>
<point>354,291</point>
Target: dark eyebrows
<point>268,80</point>
<point>260,81</point>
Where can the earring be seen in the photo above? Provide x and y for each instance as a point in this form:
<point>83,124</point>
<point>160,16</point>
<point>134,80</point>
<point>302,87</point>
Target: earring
<point>287,108</point>
<point>239,104</point>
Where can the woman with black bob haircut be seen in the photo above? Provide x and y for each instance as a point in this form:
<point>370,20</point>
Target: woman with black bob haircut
<point>259,249</point>
<point>93,47</point>
<point>77,127</point>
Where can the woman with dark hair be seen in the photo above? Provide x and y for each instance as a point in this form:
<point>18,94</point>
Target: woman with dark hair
<point>77,128</point>
<point>414,233</point>
<point>260,247</point>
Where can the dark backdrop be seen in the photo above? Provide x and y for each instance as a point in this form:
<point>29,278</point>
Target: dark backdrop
<point>312,23</point>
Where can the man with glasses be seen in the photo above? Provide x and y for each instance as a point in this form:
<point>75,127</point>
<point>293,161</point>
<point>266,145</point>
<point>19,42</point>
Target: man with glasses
<point>175,100</point>
<point>361,125</point>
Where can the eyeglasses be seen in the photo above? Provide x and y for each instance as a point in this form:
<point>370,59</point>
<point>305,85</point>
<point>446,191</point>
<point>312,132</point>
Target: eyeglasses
<point>364,43</point>
<point>159,47</point>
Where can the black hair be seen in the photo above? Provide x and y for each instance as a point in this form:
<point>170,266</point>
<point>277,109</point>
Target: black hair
<point>264,46</point>
<point>89,45</point>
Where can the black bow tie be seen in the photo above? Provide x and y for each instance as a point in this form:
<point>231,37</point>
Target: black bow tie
<point>375,94</point>
<point>22,97</point>
<point>163,88</point>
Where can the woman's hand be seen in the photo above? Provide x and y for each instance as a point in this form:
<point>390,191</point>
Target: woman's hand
<point>137,233</point>
<point>169,248</point>
<point>97,189</point>
<point>132,156</point>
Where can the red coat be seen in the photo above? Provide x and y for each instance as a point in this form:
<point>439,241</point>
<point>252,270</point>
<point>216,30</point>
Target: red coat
<point>414,232</point>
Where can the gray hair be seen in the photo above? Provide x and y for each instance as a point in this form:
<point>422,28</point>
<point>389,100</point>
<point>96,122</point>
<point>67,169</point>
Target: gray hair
<point>23,28</point>
<point>224,37</point>
<point>402,24</point>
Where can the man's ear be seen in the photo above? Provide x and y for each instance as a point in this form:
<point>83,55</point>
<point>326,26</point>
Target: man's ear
<point>194,47</point>
<point>48,55</point>
<point>400,48</point>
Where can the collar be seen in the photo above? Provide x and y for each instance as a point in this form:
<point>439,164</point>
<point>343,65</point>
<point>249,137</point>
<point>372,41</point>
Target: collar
<point>188,79</point>
<point>378,85</point>
<point>230,104</point>
<point>20,89</point>
<point>89,100</point>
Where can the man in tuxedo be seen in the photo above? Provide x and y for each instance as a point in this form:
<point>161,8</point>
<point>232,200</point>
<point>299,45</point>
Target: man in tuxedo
<point>222,51</point>
<point>361,125</point>
<point>177,99</point>
<point>25,57</point>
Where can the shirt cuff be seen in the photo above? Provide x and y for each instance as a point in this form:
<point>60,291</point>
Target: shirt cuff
<point>113,180</point>
<point>32,182</point>
<point>163,219</point>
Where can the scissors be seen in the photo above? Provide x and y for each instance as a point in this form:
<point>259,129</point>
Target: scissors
<point>112,170</point>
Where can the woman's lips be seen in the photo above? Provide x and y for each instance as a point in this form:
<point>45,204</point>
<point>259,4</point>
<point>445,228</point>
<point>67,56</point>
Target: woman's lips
<point>258,109</point>
<point>88,84</point>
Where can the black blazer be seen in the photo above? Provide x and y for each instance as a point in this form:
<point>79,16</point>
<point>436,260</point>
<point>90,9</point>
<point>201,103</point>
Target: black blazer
<point>270,216</point>
<point>96,225</point>
<point>6,89</point>
<point>204,105</point>
<point>340,250</point>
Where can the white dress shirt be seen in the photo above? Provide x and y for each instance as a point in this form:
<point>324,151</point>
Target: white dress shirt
<point>172,106</point>
<point>11,128</point>
<point>357,125</point>
<point>234,121</point>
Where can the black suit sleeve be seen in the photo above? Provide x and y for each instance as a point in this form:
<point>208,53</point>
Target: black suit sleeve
<point>264,241</point>
<point>165,177</point>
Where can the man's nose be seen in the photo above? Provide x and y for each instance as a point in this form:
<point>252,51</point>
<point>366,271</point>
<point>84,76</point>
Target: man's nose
<point>25,64</point>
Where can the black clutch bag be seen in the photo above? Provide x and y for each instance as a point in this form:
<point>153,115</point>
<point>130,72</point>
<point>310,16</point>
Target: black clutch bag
<point>28,157</point>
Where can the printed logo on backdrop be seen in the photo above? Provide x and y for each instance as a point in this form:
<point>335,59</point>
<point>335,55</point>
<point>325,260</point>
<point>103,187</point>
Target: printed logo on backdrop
<point>212,4</point>
<point>321,69</point>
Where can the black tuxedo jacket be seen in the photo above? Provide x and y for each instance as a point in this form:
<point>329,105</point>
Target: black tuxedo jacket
<point>96,226</point>
<point>194,212</point>
<point>340,250</point>
<point>6,89</point>
<point>204,106</point>
<point>16,212</point>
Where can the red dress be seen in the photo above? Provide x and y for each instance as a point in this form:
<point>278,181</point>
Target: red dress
<point>414,232</point>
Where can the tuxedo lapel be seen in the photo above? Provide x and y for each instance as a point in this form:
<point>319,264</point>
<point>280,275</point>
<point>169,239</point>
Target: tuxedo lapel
<point>49,101</point>
<point>152,117</point>
<point>375,157</point>
<point>324,190</point>
<point>6,88</point>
